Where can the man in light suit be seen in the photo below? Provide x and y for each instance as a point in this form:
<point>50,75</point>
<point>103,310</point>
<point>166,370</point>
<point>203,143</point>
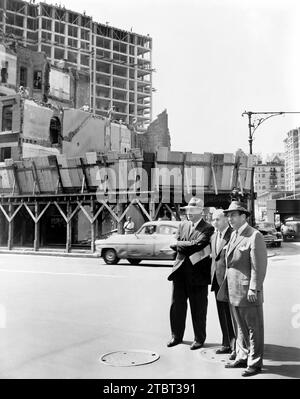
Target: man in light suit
<point>218,267</point>
<point>191,275</point>
<point>246,259</point>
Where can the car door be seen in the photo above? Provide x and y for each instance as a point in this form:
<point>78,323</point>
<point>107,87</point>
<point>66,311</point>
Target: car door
<point>142,246</point>
<point>165,237</point>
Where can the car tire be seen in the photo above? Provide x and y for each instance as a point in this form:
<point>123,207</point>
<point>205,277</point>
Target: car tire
<point>110,257</point>
<point>134,261</point>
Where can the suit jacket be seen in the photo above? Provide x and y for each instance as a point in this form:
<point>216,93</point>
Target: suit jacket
<point>218,265</point>
<point>189,242</point>
<point>246,261</point>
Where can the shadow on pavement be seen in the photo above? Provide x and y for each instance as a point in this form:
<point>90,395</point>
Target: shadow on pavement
<point>282,354</point>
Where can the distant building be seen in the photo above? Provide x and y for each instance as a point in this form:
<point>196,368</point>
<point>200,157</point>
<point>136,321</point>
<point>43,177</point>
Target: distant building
<point>269,175</point>
<point>292,161</point>
<point>269,182</point>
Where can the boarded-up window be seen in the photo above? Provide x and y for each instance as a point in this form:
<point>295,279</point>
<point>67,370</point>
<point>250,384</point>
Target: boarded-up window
<point>7,117</point>
<point>23,76</point>
<point>37,80</point>
<point>5,153</point>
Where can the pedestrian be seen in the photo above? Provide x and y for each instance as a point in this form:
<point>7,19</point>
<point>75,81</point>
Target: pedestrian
<point>246,260</point>
<point>191,275</point>
<point>129,226</point>
<point>219,240</point>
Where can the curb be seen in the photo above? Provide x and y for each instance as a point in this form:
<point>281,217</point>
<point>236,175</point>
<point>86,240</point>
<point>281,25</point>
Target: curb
<point>45,253</point>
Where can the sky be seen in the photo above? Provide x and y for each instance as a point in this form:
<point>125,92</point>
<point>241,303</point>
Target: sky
<point>215,59</point>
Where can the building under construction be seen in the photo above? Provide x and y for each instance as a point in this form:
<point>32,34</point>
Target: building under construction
<point>118,61</point>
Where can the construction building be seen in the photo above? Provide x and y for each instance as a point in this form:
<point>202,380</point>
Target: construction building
<point>292,161</point>
<point>119,62</point>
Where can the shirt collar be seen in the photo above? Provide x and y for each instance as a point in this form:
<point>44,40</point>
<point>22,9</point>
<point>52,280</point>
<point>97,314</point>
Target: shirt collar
<point>242,228</point>
<point>196,224</point>
<point>224,232</point>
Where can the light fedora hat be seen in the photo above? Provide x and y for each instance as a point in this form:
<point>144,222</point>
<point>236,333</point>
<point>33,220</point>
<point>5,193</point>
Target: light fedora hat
<point>236,206</point>
<point>194,203</point>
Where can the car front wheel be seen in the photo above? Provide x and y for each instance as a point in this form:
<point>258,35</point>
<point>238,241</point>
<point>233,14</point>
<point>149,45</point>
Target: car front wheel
<point>110,257</point>
<point>134,261</point>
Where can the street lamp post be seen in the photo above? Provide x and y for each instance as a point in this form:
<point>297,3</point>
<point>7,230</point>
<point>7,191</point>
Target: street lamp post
<point>252,126</point>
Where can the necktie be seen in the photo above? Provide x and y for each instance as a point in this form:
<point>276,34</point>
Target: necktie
<point>219,241</point>
<point>233,238</point>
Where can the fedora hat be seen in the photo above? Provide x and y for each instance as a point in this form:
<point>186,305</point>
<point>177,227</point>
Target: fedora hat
<point>236,206</point>
<point>194,202</point>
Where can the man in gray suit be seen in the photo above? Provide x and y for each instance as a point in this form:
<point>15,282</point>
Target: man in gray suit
<point>246,259</point>
<point>219,240</point>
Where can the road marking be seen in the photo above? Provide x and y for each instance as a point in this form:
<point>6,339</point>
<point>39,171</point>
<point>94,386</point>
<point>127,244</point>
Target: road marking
<point>63,274</point>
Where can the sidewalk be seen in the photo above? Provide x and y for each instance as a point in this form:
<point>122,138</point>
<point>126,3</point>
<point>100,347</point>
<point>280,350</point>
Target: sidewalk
<point>75,253</point>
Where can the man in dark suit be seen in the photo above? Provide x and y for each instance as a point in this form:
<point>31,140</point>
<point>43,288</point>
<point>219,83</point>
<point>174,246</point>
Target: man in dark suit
<point>218,241</point>
<point>191,275</point>
<point>246,259</point>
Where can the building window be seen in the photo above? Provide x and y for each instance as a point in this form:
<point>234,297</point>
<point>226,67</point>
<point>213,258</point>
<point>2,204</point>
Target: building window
<point>4,73</point>
<point>59,40</point>
<point>31,23</point>
<point>23,76</point>
<point>85,34</point>
<point>72,31</point>
<point>85,60</point>
<point>5,153</point>
<point>72,43</point>
<point>72,57</point>
<point>7,117</point>
<point>46,24</point>
<point>55,130</point>
<point>60,27</point>
<point>59,54</point>
<point>37,80</point>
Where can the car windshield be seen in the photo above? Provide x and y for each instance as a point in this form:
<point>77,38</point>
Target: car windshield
<point>149,229</point>
<point>167,230</point>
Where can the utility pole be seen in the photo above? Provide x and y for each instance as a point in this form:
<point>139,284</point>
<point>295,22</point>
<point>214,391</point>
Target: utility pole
<point>252,126</point>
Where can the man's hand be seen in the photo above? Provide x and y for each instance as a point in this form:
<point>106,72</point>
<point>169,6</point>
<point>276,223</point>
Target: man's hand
<point>252,296</point>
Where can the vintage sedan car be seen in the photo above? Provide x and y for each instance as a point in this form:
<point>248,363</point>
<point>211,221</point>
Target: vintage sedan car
<point>151,242</point>
<point>272,237</point>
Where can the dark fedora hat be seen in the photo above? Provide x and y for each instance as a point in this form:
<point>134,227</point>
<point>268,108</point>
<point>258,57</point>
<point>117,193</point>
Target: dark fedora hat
<point>194,202</point>
<point>236,206</point>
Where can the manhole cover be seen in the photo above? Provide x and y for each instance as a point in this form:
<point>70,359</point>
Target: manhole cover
<point>211,356</point>
<point>129,358</point>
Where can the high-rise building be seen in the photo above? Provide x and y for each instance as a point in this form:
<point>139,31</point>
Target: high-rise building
<point>119,61</point>
<point>292,161</point>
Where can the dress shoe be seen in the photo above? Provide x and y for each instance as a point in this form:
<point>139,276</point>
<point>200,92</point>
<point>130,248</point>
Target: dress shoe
<point>251,371</point>
<point>196,345</point>
<point>223,350</point>
<point>232,355</point>
<point>236,364</point>
<point>174,342</point>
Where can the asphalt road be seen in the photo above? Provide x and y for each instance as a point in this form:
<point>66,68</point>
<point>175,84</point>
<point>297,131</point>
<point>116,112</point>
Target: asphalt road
<point>59,315</point>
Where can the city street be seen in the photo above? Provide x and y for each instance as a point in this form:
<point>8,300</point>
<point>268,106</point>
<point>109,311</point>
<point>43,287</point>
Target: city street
<point>60,314</point>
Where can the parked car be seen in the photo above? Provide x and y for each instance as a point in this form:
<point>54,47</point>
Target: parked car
<point>288,230</point>
<point>272,237</point>
<point>151,242</point>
